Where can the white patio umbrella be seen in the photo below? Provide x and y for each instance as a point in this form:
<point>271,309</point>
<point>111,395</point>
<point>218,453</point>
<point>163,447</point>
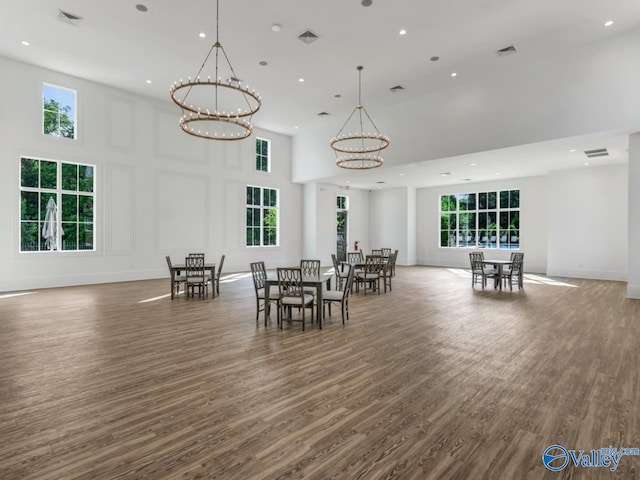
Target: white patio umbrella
<point>50,226</point>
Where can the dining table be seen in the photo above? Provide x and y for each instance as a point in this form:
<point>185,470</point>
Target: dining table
<point>179,267</point>
<point>308,280</point>
<point>499,265</point>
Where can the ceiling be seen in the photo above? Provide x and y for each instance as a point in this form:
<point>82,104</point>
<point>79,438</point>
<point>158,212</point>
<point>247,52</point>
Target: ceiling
<point>117,44</point>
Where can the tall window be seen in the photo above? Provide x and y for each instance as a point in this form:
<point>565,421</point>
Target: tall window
<point>56,206</point>
<point>58,111</point>
<point>263,155</point>
<point>262,216</point>
<point>483,219</point>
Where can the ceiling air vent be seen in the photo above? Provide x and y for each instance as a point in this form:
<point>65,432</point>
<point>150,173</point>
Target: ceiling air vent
<point>308,37</point>
<point>510,50</point>
<point>69,18</point>
<point>381,181</point>
<point>599,152</point>
<point>324,114</point>
<point>397,88</point>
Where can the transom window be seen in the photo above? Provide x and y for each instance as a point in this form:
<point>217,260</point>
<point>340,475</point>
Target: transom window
<point>262,217</point>
<point>342,202</point>
<point>56,206</point>
<point>263,155</point>
<point>480,220</point>
<point>58,111</point>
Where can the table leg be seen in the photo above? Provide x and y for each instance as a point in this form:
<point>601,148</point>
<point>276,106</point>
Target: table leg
<point>267,303</point>
<point>319,306</point>
<point>172,278</point>
<point>500,275</point>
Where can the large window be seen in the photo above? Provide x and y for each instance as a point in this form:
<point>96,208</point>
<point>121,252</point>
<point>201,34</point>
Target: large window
<point>58,111</point>
<point>56,206</point>
<point>262,217</point>
<point>263,155</point>
<point>482,219</point>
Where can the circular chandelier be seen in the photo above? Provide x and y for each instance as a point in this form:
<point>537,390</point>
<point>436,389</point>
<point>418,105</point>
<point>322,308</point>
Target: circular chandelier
<point>360,150</point>
<point>214,107</point>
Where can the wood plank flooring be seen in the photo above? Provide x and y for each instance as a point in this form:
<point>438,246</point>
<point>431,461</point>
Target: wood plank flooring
<point>434,380</point>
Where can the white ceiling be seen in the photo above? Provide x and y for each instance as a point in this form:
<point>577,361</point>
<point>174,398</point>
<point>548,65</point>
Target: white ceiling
<point>117,45</point>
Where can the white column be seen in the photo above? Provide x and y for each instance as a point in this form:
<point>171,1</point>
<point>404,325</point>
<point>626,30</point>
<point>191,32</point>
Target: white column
<point>633,277</point>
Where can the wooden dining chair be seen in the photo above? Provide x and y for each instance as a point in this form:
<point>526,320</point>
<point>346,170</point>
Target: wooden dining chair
<point>218,273</point>
<point>340,295</point>
<point>196,276</point>
<point>259,274</point>
<point>178,278</point>
<point>370,275</point>
<point>515,272</point>
<point>341,274</point>
<point>479,272</point>
<point>292,294</point>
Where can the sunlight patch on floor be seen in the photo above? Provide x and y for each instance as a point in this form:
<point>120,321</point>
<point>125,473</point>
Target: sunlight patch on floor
<point>233,277</point>
<point>9,295</point>
<point>156,298</point>
<point>527,278</point>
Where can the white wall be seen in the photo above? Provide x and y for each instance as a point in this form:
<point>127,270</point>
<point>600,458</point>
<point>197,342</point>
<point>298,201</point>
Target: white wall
<point>533,223</point>
<point>588,214</point>
<point>633,286</point>
<point>393,222</point>
<point>159,191</point>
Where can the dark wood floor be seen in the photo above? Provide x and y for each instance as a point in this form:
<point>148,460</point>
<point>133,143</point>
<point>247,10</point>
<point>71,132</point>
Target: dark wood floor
<point>435,380</point>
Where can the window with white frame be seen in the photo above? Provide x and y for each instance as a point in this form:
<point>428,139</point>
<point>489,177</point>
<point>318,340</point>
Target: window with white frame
<point>262,216</point>
<point>58,111</point>
<point>480,220</point>
<point>57,206</point>
<point>342,202</point>
<point>263,155</point>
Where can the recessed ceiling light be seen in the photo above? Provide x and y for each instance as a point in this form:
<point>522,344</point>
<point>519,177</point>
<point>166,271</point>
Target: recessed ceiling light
<point>148,81</point>
<point>446,174</point>
<point>141,8</point>
<point>498,174</point>
<point>572,150</point>
<point>276,27</point>
<point>434,59</point>
<point>465,179</point>
<point>301,80</point>
<point>337,95</point>
<point>348,181</point>
<point>263,63</point>
<point>296,127</point>
<point>402,174</point>
<point>366,3</point>
<point>403,32</point>
<point>202,35</point>
<point>608,23</point>
<point>473,164</point>
<point>454,74</point>
<point>586,163</point>
<point>25,43</point>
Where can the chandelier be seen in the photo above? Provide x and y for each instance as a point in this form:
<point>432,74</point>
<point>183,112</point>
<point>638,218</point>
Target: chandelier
<point>360,150</point>
<point>217,107</point>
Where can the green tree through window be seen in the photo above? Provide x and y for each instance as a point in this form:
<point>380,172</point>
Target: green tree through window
<point>56,206</point>
<point>261,216</point>
<point>59,107</point>
<point>484,219</point>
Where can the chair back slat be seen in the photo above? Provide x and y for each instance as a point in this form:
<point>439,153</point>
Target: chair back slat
<point>290,282</point>
<point>259,274</point>
<point>310,267</point>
